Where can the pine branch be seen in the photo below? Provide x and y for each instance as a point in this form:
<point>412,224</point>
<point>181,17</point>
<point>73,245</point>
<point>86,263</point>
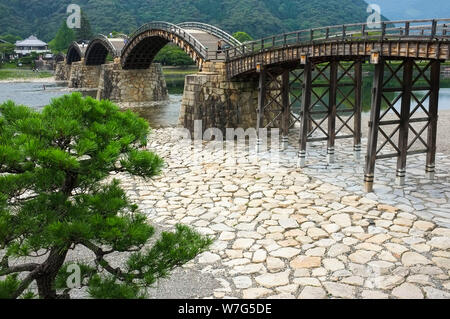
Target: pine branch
<point>15,269</point>
<point>25,283</point>
<point>100,254</point>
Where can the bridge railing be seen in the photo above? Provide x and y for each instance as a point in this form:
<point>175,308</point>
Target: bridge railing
<point>404,29</point>
<point>229,39</point>
<point>212,30</point>
<point>172,28</point>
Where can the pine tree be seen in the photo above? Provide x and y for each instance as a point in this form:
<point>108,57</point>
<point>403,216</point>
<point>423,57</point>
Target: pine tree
<point>64,37</point>
<point>85,31</point>
<point>55,196</point>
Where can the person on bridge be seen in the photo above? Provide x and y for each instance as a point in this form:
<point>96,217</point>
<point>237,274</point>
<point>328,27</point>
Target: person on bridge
<point>219,46</point>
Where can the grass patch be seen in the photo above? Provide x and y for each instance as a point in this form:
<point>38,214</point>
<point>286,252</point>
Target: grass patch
<point>10,74</point>
<point>179,71</point>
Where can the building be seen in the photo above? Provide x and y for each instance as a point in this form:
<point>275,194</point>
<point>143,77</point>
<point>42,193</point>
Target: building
<point>31,44</point>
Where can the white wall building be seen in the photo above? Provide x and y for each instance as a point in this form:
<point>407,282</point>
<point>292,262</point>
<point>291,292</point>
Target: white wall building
<point>31,44</point>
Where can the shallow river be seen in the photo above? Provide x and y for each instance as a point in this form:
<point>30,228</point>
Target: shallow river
<point>164,114</point>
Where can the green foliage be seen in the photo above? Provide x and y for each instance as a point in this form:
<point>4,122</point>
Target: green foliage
<point>53,189</point>
<point>257,17</point>
<point>172,250</point>
<point>64,37</point>
<point>10,38</point>
<point>86,272</point>
<point>8,286</point>
<point>85,31</point>
<point>109,288</point>
<point>173,55</point>
<point>7,48</point>
<point>242,36</point>
<point>18,73</point>
<point>29,295</point>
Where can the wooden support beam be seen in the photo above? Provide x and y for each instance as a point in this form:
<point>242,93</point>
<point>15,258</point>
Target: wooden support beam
<point>433,111</point>
<point>377,92</point>
<point>358,109</point>
<point>261,105</point>
<point>332,111</point>
<point>404,120</point>
<point>286,117</point>
<point>305,108</point>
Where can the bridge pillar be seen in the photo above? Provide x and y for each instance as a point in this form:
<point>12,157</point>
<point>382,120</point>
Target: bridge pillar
<point>62,71</point>
<point>305,119</point>
<point>403,82</point>
<point>132,86</point>
<point>218,102</point>
<point>328,119</point>
<point>433,116</point>
<point>84,76</point>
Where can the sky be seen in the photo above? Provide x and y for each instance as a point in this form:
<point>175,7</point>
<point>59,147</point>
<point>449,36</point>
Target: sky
<point>413,9</point>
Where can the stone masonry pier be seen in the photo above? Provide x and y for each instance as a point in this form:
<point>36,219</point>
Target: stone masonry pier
<point>114,83</point>
<point>84,76</point>
<point>222,103</point>
<point>132,86</point>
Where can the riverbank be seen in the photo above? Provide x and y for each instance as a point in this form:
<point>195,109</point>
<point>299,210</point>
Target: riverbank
<point>45,77</point>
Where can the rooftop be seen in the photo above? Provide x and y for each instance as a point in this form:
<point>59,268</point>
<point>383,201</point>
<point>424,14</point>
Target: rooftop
<point>31,41</point>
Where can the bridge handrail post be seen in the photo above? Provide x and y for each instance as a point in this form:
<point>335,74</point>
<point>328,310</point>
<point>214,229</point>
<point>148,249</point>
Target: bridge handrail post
<point>343,31</point>
<point>383,30</point>
<point>327,33</point>
<point>262,44</point>
<point>433,28</point>
<point>363,31</point>
<point>407,28</point>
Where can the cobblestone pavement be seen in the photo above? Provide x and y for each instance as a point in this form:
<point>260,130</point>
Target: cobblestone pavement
<point>283,232</point>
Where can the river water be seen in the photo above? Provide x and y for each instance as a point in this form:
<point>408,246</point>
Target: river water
<point>164,114</point>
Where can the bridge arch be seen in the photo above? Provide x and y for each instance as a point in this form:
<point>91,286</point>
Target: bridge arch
<point>99,48</point>
<point>198,40</point>
<point>75,53</point>
<point>147,41</point>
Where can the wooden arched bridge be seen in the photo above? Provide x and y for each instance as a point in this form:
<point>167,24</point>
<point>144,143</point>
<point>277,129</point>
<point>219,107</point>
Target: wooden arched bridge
<point>314,78</point>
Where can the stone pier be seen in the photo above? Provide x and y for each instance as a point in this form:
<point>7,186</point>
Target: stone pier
<point>209,96</point>
<point>84,76</point>
<point>62,71</point>
<point>132,86</point>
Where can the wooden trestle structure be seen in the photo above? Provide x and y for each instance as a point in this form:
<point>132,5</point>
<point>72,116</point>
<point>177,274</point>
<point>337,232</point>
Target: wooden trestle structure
<point>328,67</point>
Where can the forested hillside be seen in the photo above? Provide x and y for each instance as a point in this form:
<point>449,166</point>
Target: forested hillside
<point>256,17</point>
